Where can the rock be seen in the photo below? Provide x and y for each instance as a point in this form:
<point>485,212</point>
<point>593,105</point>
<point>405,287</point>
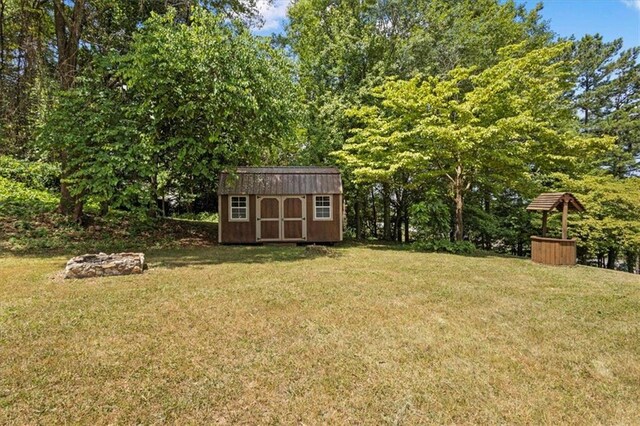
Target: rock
<point>102,264</point>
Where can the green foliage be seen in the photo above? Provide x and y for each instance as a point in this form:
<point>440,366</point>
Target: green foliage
<point>612,219</point>
<point>465,99</point>
<point>32,65</point>
<point>346,47</point>
<point>498,128</point>
<point>431,218</point>
<point>22,201</point>
<point>210,95</point>
<point>608,99</point>
<point>444,246</point>
<point>116,231</point>
<point>185,102</point>
<point>94,127</point>
<point>33,174</point>
<point>499,221</point>
<point>511,122</point>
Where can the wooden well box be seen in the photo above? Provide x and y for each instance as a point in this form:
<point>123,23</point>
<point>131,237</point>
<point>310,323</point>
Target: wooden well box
<point>553,251</point>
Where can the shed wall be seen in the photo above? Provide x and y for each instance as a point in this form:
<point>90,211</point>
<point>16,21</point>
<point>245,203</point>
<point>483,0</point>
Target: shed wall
<point>245,232</point>
<point>324,230</point>
<point>237,232</point>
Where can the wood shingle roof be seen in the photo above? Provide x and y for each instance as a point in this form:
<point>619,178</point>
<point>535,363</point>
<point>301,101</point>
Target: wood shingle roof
<point>549,201</point>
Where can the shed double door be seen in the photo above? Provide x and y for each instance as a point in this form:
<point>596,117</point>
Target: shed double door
<point>281,218</point>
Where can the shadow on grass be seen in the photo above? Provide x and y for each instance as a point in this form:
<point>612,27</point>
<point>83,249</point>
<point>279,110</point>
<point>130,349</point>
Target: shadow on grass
<point>395,246</point>
<point>217,255</point>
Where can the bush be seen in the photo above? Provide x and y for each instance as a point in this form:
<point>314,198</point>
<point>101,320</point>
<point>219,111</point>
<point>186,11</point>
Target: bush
<point>431,217</point>
<point>444,246</point>
<point>17,199</point>
<point>36,175</point>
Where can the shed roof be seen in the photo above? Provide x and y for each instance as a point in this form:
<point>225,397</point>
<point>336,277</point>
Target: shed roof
<point>549,201</point>
<point>281,181</point>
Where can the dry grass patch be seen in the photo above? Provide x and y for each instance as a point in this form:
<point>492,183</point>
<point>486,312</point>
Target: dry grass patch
<point>272,335</point>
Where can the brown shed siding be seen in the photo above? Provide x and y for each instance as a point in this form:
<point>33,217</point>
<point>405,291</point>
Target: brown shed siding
<point>324,230</point>
<point>237,232</point>
<point>286,218</point>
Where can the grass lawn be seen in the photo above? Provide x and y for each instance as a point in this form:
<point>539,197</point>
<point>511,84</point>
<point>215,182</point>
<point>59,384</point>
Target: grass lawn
<point>270,335</point>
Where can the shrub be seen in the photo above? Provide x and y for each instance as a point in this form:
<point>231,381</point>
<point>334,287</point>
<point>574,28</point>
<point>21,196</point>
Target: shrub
<point>444,246</point>
<point>36,175</point>
<point>18,199</point>
<point>431,217</point>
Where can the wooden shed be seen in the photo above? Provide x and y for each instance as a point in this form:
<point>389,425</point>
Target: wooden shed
<point>280,204</point>
<point>554,251</point>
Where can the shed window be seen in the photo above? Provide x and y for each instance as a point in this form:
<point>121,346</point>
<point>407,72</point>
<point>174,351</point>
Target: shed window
<point>239,208</point>
<point>322,209</point>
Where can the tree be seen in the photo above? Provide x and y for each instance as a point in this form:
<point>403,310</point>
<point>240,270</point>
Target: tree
<point>95,124</point>
<point>608,98</point>
<point>210,94</point>
<point>25,60</point>
<point>345,48</point>
<point>501,126</point>
<point>185,101</point>
<point>45,46</point>
<point>611,224</point>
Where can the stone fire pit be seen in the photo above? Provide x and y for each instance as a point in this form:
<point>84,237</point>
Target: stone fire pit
<point>102,264</point>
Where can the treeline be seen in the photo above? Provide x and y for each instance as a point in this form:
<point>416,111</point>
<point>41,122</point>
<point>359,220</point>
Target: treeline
<point>136,100</point>
<point>446,117</point>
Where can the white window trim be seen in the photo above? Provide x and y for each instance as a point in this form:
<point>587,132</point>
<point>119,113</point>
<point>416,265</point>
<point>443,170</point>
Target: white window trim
<point>315,209</point>
<point>246,219</point>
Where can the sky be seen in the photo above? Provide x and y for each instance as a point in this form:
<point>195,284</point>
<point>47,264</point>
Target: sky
<point>611,18</point>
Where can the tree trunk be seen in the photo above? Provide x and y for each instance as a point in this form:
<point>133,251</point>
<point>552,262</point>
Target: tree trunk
<point>68,31</point>
<point>386,196</point>
<point>612,256</point>
<point>487,243</point>
<point>358,213</point>
<point>630,261</point>
<point>399,214</point>
<point>458,186</point>
<point>2,42</point>
<point>153,205</point>
<point>78,210</point>
<point>66,200</point>
<point>374,213</point>
<point>406,224</point>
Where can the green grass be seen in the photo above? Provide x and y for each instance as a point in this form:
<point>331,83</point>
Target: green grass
<point>271,335</point>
